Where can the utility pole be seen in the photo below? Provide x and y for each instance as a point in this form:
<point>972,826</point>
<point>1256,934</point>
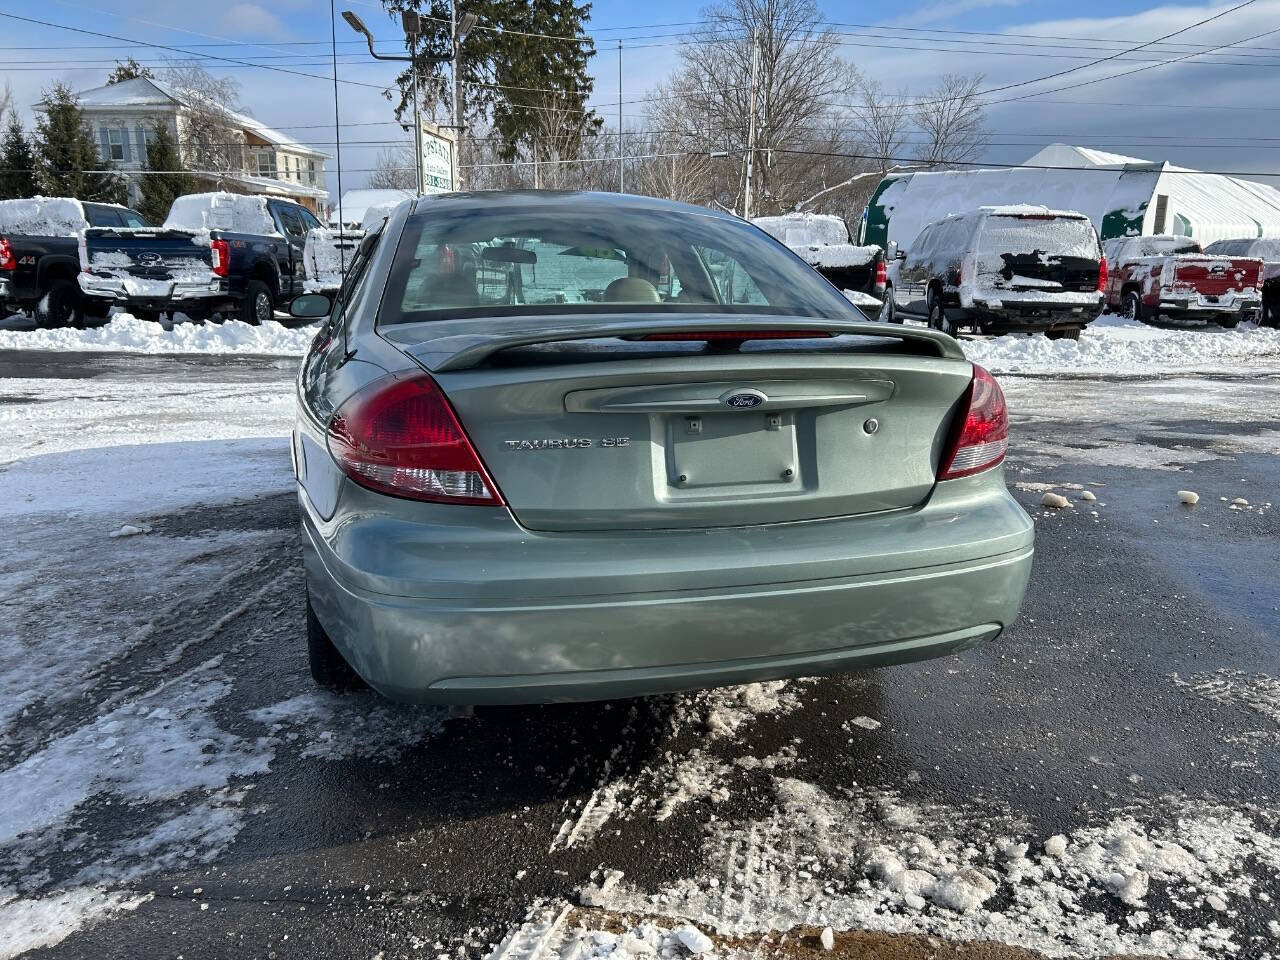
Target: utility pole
<point>621,156</point>
<point>417,119</point>
<point>751,122</point>
<point>453,72</point>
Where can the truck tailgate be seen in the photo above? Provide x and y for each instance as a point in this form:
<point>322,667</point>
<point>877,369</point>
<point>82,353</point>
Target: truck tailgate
<point>148,262</point>
<point>1215,276</point>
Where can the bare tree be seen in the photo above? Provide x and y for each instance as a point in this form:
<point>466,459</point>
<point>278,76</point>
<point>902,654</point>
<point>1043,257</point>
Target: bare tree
<point>394,169</point>
<point>953,121</point>
<point>883,121</point>
<point>6,99</point>
<point>707,103</point>
<point>209,138</point>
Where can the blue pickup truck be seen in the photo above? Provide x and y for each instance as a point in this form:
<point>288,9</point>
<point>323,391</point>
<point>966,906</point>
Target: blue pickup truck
<point>40,256</point>
<point>227,254</point>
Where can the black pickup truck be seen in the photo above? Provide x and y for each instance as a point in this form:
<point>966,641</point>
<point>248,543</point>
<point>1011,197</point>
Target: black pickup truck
<point>229,254</point>
<point>40,256</point>
<point>823,241</point>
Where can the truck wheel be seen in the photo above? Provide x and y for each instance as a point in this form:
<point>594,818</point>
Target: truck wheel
<point>96,309</point>
<point>889,309</point>
<point>1229,322</point>
<point>938,315</point>
<point>258,304</point>
<point>328,668</point>
<point>1133,307</point>
<point>60,306</point>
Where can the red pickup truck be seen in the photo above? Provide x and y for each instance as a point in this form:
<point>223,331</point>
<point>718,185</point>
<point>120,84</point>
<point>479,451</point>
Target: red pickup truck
<point>1171,277</point>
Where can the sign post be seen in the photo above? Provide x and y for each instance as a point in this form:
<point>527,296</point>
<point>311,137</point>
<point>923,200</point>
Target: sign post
<point>439,171</point>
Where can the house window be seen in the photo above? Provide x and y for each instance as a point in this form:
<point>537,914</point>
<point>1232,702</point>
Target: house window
<point>115,141</point>
<point>267,164</point>
<point>311,172</point>
<point>148,138</point>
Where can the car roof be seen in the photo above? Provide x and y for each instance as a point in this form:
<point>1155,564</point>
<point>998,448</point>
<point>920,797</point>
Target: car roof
<point>532,200</point>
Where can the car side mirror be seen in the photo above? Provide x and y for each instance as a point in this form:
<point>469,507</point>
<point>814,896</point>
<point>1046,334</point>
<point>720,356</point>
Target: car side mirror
<point>310,306</point>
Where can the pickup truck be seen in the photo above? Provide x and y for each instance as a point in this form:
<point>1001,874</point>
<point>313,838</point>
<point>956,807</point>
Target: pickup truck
<point>218,253</point>
<point>1266,249</point>
<point>823,241</point>
<point>1171,277</point>
<point>40,256</point>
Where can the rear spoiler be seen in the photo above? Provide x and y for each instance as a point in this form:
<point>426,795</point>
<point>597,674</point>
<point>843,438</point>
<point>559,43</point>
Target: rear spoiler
<point>462,344</point>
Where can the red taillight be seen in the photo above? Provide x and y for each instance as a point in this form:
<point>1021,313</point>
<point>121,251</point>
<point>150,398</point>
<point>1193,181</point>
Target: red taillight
<point>400,436</point>
<point>221,252</point>
<point>737,335</point>
<point>6,255</point>
<point>982,440</point>
<point>1102,275</point>
<point>882,273</point>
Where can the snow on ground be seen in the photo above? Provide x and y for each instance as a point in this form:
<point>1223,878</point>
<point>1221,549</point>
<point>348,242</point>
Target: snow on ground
<point>868,859</point>
<point>125,332</point>
<point>1115,345</point>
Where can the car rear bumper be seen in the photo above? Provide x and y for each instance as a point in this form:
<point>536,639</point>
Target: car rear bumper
<point>1196,308</point>
<point>465,638</point>
<point>998,313</point>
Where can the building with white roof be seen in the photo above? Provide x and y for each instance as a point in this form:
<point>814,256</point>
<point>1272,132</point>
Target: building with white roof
<point>123,117</point>
<point>1123,196</point>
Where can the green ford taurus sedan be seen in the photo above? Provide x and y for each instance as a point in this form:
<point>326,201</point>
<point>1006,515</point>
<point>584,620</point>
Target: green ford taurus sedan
<point>570,446</point>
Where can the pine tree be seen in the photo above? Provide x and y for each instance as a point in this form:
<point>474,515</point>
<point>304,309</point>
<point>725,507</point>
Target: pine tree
<point>17,162</point>
<point>494,64</point>
<point>164,177</point>
<point>127,71</point>
<point>67,159</point>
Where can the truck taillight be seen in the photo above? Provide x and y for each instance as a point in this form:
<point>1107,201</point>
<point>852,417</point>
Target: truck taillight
<point>1102,275</point>
<point>400,436</point>
<point>7,262</point>
<point>983,437</point>
<point>882,274</point>
<point>221,256</point>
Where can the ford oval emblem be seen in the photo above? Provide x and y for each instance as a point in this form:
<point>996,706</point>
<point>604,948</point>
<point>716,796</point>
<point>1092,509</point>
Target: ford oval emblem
<point>744,400</point>
<point>149,258</point>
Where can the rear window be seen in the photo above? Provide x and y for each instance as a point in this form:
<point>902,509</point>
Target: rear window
<point>1043,238</point>
<point>1166,246</point>
<point>595,259</point>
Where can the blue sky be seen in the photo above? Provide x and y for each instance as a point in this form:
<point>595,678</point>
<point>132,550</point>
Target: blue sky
<point>1211,115</point>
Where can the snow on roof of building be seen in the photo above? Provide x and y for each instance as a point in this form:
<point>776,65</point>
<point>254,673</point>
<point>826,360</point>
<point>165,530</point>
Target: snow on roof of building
<point>147,91</point>
<point>277,188</point>
<point>355,204</point>
<point>1066,155</point>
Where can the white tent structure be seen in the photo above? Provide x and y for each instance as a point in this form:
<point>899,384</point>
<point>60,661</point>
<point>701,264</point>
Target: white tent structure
<point>1122,195</point>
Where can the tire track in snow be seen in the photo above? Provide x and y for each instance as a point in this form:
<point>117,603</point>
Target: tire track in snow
<point>534,939</point>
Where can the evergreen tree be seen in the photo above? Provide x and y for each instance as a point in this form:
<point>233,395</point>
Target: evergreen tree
<point>494,64</point>
<point>17,162</point>
<point>67,160</point>
<point>127,71</point>
<point>164,177</point>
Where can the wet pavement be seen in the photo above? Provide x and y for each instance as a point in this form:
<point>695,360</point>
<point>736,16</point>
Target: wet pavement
<point>345,827</point>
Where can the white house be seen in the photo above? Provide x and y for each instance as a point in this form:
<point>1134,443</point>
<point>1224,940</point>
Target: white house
<point>123,116</point>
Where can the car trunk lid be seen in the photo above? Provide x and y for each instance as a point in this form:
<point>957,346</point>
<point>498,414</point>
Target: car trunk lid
<point>585,431</point>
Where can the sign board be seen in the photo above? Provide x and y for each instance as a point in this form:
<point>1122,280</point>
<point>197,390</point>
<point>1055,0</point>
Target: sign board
<point>438,168</point>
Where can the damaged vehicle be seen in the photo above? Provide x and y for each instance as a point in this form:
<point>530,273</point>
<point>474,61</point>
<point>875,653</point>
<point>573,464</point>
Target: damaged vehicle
<point>1006,269</point>
<point>565,446</point>
<point>824,242</point>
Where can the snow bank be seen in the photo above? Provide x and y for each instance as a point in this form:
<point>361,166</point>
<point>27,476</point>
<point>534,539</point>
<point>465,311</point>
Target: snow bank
<point>42,217</point>
<point>805,229</point>
<point>233,212</point>
<point>126,332</point>
<point>1114,345</point>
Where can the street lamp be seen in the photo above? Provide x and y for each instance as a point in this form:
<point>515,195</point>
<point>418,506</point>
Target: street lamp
<point>412,26</point>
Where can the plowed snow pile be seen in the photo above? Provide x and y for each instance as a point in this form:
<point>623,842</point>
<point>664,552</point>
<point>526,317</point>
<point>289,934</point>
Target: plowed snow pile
<point>1114,345</point>
<point>126,333</point>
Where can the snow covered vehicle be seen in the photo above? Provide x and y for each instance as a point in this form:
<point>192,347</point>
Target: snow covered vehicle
<point>1000,270</point>
<point>1266,249</point>
<point>824,242</point>
<point>1171,277</point>
<point>40,256</point>
<point>328,251</point>
<point>235,255</point>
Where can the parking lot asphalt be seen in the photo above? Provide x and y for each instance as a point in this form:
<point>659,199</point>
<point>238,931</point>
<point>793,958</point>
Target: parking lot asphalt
<point>1137,683</point>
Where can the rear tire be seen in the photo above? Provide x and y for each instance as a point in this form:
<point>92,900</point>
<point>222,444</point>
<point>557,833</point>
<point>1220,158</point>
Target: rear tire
<point>1133,306</point>
<point>938,315</point>
<point>60,306</point>
<point>328,668</point>
<point>258,305</point>
<point>889,309</point>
